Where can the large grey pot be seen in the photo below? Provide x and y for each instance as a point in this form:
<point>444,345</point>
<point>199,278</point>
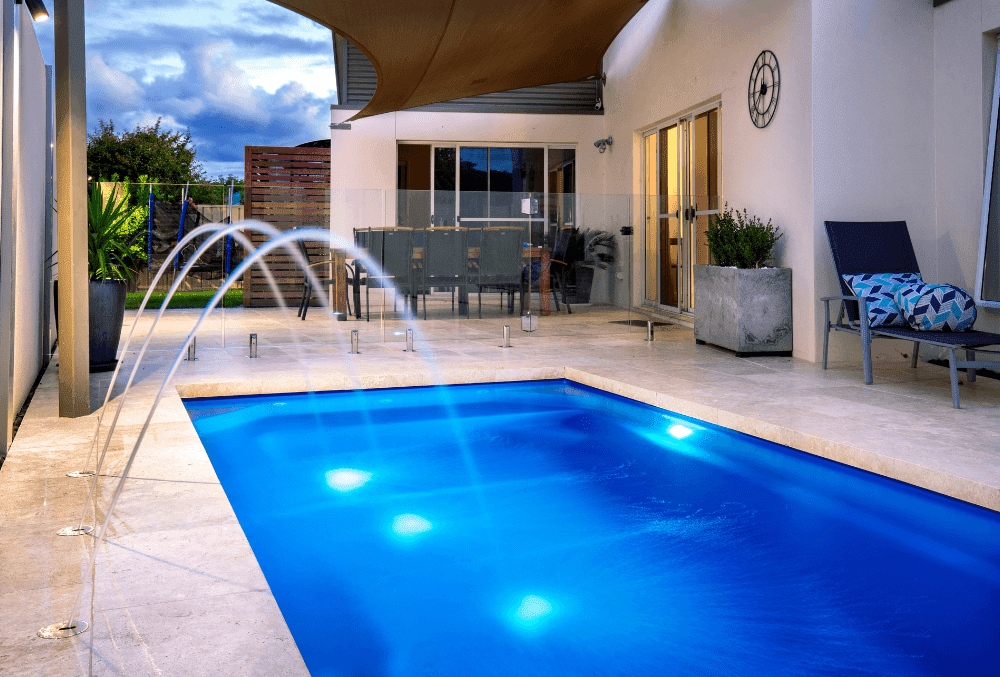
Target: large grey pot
<point>748,311</point>
<point>107,312</point>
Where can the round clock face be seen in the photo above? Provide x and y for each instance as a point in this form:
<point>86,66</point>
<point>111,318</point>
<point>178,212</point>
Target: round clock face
<point>765,81</point>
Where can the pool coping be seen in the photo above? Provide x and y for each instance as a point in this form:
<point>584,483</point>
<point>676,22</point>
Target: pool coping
<point>874,461</point>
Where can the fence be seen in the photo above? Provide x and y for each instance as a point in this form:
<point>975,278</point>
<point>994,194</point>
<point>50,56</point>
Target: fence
<point>159,216</point>
<point>288,188</point>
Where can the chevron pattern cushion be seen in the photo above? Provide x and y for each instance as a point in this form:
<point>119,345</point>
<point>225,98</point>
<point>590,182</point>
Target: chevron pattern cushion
<point>879,289</point>
<point>936,307</point>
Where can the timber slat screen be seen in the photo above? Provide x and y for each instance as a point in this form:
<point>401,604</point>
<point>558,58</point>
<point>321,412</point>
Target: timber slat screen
<point>288,188</point>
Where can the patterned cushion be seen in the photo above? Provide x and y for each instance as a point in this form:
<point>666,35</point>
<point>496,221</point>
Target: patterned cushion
<point>879,289</point>
<point>936,307</point>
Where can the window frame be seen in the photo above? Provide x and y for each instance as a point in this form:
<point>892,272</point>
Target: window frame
<point>459,145</point>
<point>987,191</point>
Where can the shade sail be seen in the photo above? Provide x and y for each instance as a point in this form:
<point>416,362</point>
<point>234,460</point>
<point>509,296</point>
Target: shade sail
<point>429,51</point>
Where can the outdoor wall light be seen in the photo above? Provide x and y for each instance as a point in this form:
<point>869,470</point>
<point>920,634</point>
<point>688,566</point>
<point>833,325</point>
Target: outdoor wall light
<point>603,144</point>
<point>36,8</point>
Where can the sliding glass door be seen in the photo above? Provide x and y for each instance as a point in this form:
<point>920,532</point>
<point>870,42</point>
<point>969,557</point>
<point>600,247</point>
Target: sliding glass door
<point>682,185</point>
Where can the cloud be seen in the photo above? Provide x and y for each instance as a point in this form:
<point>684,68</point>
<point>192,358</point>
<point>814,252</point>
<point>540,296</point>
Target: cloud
<point>225,86</point>
<point>111,88</point>
<point>233,72</point>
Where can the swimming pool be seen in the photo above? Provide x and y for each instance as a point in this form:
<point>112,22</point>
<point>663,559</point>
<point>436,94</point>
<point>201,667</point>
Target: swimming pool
<point>547,528</point>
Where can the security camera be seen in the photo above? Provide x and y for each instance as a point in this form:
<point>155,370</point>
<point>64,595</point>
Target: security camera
<point>598,105</point>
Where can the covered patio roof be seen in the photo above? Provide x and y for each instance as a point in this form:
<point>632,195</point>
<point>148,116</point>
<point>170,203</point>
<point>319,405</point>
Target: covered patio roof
<point>429,51</point>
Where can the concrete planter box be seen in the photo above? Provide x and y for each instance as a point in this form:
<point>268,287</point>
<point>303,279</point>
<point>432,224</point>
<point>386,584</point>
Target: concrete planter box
<point>748,311</point>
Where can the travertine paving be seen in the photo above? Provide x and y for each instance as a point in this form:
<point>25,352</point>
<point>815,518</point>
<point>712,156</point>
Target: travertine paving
<point>177,590</point>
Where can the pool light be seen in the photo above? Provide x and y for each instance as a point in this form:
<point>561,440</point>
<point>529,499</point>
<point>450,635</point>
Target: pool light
<point>533,608</point>
<point>346,479</point>
<point>410,525</point>
<point>679,431</point>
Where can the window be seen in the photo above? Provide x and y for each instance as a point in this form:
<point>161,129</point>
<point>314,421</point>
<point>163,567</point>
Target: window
<point>484,185</point>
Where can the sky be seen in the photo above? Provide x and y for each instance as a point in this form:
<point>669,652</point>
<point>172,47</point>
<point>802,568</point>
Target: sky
<point>233,72</point>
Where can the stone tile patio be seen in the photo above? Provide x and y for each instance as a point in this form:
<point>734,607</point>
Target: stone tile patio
<point>177,589</point>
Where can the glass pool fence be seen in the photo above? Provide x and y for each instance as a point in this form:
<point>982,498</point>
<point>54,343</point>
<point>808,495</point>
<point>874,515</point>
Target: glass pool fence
<point>472,265</point>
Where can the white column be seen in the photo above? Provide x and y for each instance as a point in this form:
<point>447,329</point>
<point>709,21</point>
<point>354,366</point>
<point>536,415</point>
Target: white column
<point>8,222</point>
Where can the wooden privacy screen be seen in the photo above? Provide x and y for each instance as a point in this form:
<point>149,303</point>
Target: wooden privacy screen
<point>288,188</point>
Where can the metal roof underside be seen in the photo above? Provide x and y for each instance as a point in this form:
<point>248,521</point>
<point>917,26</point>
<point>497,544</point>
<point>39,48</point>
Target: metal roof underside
<point>431,51</point>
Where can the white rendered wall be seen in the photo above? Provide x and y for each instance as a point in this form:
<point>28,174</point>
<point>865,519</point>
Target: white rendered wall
<point>364,157</point>
<point>676,55</point>
<point>29,168</point>
<point>873,132</point>
<point>964,59</point>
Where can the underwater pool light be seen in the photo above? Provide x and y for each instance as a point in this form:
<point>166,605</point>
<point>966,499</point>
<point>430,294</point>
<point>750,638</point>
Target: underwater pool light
<point>347,479</point>
<point>679,431</point>
<point>532,608</point>
<point>410,525</point>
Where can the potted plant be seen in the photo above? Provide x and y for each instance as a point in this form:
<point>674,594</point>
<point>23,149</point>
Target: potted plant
<point>113,253</point>
<point>739,302</point>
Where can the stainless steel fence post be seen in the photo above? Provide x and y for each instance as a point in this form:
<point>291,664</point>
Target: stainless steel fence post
<point>354,342</point>
<point>649,330</point>
<point>192,350</point>
<point>409,341</point>
<point>253,346</point>
<point>506,336</point>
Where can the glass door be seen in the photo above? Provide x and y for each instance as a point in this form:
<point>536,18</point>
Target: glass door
<point>682,186</point>
<point>703,184</point>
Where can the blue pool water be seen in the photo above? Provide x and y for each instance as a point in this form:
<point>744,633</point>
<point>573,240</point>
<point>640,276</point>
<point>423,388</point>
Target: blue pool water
<point>546,528</point>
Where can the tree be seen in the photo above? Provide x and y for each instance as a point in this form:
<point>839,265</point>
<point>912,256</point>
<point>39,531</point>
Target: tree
<point>165,155</point>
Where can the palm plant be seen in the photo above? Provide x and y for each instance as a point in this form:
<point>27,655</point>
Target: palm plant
<point>111,236</point>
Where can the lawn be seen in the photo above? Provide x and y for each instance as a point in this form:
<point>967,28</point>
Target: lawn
<point>184,299</point>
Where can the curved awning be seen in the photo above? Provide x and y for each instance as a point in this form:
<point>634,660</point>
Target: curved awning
<point>429,51</point>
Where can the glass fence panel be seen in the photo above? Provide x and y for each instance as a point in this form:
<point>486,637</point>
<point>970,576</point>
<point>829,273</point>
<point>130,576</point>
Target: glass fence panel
<point>524,260</point>
<point>674,241</point>
<point>149,221</point>
<point>451,265</point>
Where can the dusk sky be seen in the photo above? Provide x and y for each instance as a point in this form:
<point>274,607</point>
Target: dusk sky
<point>234,72</point>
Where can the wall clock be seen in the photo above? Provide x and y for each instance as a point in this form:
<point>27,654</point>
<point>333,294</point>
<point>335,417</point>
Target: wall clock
<point>762,94</point>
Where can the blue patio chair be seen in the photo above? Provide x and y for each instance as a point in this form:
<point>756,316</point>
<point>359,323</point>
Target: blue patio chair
<point>885,247</point>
